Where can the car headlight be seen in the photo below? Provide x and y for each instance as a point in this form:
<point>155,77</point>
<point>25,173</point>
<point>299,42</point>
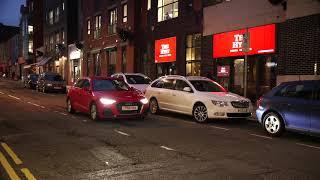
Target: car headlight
<point>106,101</point>
<point>49,84</point>
<point>144,101</point>
<point>219,103</point>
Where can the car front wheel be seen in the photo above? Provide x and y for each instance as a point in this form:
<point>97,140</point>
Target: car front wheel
<point>94,115</point>
<point>273,124</point>
<point>154,107</point>
<point>69,106</point>
<point>200,113</point>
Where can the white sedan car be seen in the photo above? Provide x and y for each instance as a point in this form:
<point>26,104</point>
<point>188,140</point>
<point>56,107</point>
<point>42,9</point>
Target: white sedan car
<point>137,80</point>
<point>197,96</point>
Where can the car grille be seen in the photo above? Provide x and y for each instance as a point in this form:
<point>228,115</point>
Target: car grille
<point>240,104</point>
<point>119,107</point>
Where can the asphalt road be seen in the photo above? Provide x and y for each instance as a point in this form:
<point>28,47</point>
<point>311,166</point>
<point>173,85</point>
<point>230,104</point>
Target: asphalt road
<point>40,140</point>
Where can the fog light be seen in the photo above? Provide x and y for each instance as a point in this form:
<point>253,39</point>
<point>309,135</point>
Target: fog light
<point>219,113</point>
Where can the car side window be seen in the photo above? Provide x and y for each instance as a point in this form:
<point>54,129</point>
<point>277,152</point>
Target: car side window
<point>300,91</point>
<point>86,83</point>
<point>157,84</point>
<point>180,85</point>
<point>79,83</point>
<point>168,83</point>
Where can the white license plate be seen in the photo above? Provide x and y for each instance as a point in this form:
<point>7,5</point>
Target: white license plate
<point>129,108</point>
<point>57,87</point>
<point>244,110</point>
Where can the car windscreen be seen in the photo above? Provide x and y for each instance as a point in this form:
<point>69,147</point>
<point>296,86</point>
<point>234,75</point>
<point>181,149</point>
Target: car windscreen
<point>207,86</point>
<point>53,78</point>
<point>109,85</point>
<point>34,77</point>
<point>137,79</point>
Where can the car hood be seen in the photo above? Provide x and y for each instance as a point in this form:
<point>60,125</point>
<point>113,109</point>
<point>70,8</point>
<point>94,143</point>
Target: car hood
<point>140,87</point>
<point>223,96</point>
<point>120,95</point>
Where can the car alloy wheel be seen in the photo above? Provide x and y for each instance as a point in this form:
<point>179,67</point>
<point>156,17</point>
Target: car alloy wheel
<point>43,89</point>
<point>69,106</point>
<point>273,124</point>
<point>200,113</point>
<point>94,112</point>
<point>154,107</point>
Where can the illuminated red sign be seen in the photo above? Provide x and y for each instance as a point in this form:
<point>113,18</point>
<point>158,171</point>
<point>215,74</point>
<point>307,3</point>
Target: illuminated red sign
<point>262,41</point>
<point>223,71</point>
<point>165,50</point>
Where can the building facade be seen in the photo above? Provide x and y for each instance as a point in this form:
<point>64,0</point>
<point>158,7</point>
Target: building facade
<point>282,43</point>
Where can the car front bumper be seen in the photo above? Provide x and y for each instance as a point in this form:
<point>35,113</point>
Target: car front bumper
<point>215,112</point>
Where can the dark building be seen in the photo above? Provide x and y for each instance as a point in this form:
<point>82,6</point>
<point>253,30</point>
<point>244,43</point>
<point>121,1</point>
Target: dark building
<point>60,29</point>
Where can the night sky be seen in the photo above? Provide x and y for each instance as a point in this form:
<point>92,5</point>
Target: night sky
<point>10,11</point>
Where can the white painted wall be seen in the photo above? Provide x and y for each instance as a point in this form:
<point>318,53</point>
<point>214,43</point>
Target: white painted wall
<point>238,14</point>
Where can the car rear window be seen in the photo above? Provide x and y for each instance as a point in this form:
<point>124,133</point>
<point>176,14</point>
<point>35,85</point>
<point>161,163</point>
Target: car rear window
<point>53,78</point>
<point>137,79</point>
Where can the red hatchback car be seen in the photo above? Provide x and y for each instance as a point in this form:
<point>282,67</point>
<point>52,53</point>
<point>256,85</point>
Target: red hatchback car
<point>105,98</point>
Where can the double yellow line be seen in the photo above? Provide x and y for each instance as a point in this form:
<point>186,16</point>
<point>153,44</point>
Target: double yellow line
<point>6,165</point>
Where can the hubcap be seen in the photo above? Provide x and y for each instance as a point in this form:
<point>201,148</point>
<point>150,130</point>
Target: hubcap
<point>200,113</point>
<point>154,106</point>
<point>93,111</point>
<point>272,124</point>
<point>69,105</point>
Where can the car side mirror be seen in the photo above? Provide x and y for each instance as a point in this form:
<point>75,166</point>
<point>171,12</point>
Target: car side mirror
<point>187,89</point>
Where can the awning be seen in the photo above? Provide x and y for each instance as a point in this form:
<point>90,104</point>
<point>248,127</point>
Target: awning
<point>43,61</point>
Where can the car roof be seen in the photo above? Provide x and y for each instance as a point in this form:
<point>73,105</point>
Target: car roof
<point>140,74</point>
<point>186,78</point>
<point>100,78</point>
<point>302,81</point>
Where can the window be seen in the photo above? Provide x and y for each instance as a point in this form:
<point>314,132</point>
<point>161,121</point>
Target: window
<point>193,55</point>
<point>50,17</point>
<point>124,60</point>
<point>56,19</point>
<point>168,83</point>
<point>79,83</point>
<point>112,62</point>
<point>300,91</point>
<point>207,86</point>
<point>167,9</point>
<point>137,79</point>
<point>30,29</point>
<point>180,85</point>
<point>88,27</point>
<point>97,27</point>
<point>149,5</point>
<point>109,85</point>
<point>63,6</point>
<point>97,64</point>
<point>31,6</point>
<point>125,13</point>
<point>112,21</point>
<point>30,47</point>
<point>62,36</point>
<point>57,38</point>
<point>51,43</point>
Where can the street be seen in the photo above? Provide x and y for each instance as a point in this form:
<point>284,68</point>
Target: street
<point>40,140</point>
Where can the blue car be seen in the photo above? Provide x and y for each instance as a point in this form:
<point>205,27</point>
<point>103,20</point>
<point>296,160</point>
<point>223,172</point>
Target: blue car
<point>291,106</point>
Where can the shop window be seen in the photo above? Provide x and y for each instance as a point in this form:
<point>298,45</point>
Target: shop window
<point>97,27</point>
<point>167,9</point>
<point>149,5</point>
<point>88,27</point>
<point>193,55</point>
<point>30,29</point>
<point>112,21</point>
<point>124,60</point>
<point>125,13</point>
<point>50,17</point>
<point>30,47</point>
<point>112,62</point>
<point>97,64</point>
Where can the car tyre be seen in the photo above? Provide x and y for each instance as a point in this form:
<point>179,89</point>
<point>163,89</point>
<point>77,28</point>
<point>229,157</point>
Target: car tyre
<point>94,115</point>
<point>44,89</point>
<point>69,106</point>
<point>200,113</point>
<point>273,124</point>
<point>154,106</point>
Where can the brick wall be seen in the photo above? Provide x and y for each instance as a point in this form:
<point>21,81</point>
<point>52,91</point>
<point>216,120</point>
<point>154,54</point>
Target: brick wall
<point>299,45</point>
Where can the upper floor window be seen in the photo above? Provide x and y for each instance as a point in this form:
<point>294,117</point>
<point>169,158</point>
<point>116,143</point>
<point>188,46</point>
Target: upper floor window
<point>63,6</point>
<point>149,5</point>
<point>57,38</point>
<point>50,17</point>
<point>167,9</point>
<point>63,36</point>
<point>88,27</point>
<point>113,21</point>
<point>56,19</point>
<point>193,55</point>
<point>30,29</point>
<point>125,13</point>
<point>31,6</point>
<point>97,27</point>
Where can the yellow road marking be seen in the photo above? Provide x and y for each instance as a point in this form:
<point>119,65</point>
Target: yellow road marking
<point>11,154</point>
<point>12,174</point>
<point>28,174</point>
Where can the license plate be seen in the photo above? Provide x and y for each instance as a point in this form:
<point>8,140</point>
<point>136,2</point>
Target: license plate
<point>244,110</point>
<point>129,108</point>
<point>57,87</point>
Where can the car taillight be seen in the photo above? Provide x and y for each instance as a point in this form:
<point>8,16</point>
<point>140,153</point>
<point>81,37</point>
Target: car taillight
<point>259,101</point>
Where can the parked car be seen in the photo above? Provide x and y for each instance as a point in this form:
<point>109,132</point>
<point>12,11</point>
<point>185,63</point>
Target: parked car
<point>51,82</point>
<point>197,96</point>
<point>137,80</point>
<point>30,81</point>
<point>103,97</point>
<point>291,106</point>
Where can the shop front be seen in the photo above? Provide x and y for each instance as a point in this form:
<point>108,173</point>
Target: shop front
<point>165,56</point>
<point>75,61</point>
<point>229,59</point>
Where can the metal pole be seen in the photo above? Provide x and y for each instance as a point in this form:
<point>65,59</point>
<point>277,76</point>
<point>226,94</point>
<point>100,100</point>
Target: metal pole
<point>246,64</point>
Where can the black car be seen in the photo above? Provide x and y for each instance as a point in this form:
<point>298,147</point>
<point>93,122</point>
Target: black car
<point>51,82</point>
<point>31,81</point>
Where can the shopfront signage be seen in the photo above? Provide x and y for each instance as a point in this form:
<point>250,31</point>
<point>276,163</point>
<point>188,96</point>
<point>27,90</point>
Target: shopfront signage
<point>223,71</point>
<point>262,41</point>
<point>165,50</point>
